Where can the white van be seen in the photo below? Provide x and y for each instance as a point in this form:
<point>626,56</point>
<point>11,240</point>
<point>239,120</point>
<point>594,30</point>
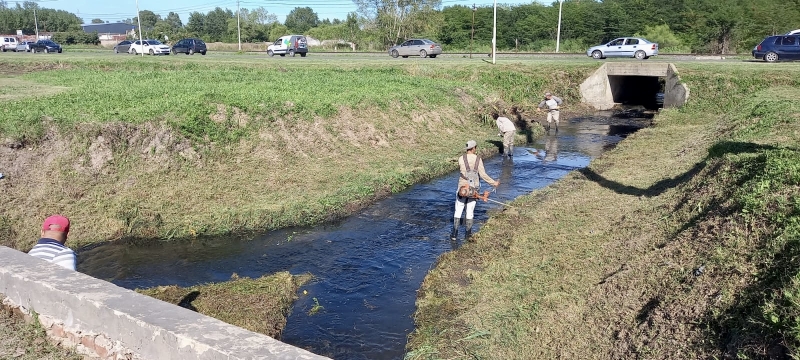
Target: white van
<point>289,45</point>
<point>8,43</point>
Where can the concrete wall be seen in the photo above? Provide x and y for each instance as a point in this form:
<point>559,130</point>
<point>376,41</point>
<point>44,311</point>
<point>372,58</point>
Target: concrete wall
<point>616,82</point>
<point>596,90</point>
<point>675,93</point>
<point>121,324</point>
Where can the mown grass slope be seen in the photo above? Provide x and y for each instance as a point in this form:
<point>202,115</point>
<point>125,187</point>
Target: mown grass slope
<point>683,242</point>
<point>174,147</point>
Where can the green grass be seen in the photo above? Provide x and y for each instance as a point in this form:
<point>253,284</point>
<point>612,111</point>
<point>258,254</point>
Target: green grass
<point>602,264</point>
<point>28,341</point>
<point>260,305</point>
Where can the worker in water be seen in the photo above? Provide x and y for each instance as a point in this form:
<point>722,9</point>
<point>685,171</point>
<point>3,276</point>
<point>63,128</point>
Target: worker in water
<point>507,131</point>
<point>551,104</point>
<point>472,170</point>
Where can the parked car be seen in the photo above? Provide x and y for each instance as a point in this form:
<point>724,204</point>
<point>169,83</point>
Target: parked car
<point>779,47</point>
<point>189,47</point>
<point>414,47</point>
<point>123,46</point>
<point>289,45</point>
<point>624,47</point>
<point>8,43</point>
<point>45,46</point>
<point>24,46</point>
<point>152,47</point>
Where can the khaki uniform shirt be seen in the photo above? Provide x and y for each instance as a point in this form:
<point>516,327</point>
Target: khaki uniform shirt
<point>481,171</point>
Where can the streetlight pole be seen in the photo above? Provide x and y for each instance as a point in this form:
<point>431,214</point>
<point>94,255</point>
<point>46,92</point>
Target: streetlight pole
<point>238,27</point>
<point>472,39</point>
<point>139,20</point>
<point>494,34</point>
<point>558,34</point>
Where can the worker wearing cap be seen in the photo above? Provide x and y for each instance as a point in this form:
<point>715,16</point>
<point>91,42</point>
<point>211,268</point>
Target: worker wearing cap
<point>51,245</point>
<point>470,160</point>
<point>551,104</point>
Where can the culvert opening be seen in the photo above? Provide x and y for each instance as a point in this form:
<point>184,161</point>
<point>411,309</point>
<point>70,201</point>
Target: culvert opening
<point>646,91</point>
<point>651,85</point>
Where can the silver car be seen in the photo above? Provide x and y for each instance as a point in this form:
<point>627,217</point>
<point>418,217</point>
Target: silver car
<point>24,46</point>
<point>414,47</point>
<point>624,47</point>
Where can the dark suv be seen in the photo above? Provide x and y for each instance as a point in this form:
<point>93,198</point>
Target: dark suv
<point>779,47</point>
<point>189,47</point>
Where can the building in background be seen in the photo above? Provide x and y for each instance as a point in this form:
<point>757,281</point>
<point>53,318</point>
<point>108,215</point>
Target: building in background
<point>111,33</point>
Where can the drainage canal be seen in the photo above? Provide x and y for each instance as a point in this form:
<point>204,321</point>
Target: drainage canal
<point>368,266</point>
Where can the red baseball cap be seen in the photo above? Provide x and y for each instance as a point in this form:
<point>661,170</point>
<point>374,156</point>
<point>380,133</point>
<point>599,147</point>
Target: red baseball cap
<point>56,223</point>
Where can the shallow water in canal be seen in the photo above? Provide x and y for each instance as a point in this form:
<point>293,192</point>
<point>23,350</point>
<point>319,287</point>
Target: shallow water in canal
<point>368,266</point>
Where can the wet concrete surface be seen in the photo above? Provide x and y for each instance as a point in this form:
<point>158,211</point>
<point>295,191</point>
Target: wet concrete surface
<point>368,266</point>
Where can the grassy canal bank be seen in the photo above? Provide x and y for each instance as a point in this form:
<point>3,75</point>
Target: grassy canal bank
<point>162,148</point>
<point>683,242</point>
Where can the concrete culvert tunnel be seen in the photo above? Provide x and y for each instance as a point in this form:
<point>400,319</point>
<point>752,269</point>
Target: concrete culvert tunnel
<point>651,85</point>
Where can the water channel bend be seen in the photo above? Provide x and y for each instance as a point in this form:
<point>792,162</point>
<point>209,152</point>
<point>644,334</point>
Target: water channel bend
<point>368,266</point>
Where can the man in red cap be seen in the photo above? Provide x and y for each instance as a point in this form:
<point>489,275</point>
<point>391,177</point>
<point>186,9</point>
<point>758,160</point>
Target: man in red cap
<point>51,245</point>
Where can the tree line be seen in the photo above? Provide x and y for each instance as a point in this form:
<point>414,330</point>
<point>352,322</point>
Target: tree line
<point>708,26</point>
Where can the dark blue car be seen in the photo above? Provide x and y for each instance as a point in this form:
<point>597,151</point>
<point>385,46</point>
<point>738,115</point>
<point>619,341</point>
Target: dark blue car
<point>779,47</point>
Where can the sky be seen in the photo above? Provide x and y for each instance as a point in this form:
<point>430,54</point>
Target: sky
<point>117,10</point>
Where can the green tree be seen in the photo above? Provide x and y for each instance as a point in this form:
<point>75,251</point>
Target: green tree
<point>277,31</point>
<point>216,25</point>
<point>98,21</point>
<point>174,21</point>
<point>300,19</point>
<point>149,19</point>
<point>196,23</point>
<point>662,35</point>
<point>20,17</point>
<point>396,20</point>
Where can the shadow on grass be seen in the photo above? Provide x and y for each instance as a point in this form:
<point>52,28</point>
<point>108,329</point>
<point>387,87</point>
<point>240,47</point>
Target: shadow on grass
<point>761,322</point>
<point>716,151</point>
<point>186,302</point>
<point>498,144</point>
<point>523,126</point>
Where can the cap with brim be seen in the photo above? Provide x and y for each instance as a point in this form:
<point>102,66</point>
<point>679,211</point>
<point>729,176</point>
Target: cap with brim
<point>470,144</point>
<point>56,223</point>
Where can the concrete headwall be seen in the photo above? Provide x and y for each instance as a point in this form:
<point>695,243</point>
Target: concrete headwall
<point>116,323</point>
<point>675,93</point>
<point>613,81</point>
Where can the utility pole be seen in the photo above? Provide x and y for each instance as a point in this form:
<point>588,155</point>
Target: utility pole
<point>35,21</point>
<point>238,27</point>
<point>139,19</point>
<point>472,39</point>
<point>558,34</point>
<point>494,35</point>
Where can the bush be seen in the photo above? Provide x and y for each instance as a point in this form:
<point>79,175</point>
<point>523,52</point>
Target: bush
<point>76,38</point>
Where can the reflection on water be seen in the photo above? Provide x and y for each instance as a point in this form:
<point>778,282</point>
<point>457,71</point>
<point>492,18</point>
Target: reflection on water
<point>368,266</point>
